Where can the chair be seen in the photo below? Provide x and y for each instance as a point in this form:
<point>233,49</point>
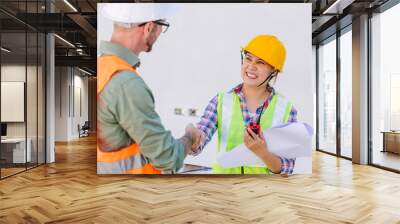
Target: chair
<point>84,130</point>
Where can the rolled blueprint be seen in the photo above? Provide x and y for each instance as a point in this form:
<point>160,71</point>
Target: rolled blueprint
<point>291,140</point>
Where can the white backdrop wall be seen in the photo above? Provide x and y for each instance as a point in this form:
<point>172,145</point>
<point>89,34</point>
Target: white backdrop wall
<point>199,56</point>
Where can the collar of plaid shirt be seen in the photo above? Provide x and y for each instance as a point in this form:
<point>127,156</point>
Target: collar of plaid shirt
<point>245,111</point>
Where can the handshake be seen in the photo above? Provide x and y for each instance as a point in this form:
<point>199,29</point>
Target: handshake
<point>195,138</point>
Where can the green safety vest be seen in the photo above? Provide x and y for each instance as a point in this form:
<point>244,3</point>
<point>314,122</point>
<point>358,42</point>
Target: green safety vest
<point>231,127</point>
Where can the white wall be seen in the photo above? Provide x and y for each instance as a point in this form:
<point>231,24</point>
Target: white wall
<point>200,56</point>
<point>33,126</point>
<point>80,83</point>
<point>68,83</point>
<point>17,73</point>
<point>12,100</point>
<point>61,103</point>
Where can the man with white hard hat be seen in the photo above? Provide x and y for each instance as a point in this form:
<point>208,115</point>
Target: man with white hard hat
<point>131,138</point>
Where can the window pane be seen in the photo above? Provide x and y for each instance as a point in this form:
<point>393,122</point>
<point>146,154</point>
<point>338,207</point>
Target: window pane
<point>346,93</point>
<point>14,153</point>
<point>386,88</point>
<point>41,98</point>
<point>31,97</point>
<point>22,64</point>
<point>327,96</point>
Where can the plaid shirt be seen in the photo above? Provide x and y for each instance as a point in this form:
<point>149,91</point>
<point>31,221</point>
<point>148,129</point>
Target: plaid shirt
<point>208,122</point>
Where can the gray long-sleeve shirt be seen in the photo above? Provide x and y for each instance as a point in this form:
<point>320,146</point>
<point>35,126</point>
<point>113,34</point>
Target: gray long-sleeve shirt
<point>126,115</point>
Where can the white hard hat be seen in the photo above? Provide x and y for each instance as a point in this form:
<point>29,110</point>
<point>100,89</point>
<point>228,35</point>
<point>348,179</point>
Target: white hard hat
<point>137,12</point>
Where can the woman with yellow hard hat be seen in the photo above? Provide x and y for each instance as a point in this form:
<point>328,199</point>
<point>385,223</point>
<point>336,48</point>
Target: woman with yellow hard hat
<point>240,114</point>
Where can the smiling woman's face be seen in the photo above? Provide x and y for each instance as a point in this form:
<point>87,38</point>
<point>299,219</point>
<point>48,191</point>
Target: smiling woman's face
<point>254,70</point>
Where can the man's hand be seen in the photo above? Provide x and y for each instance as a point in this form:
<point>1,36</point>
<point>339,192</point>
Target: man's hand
<point>197,138</point>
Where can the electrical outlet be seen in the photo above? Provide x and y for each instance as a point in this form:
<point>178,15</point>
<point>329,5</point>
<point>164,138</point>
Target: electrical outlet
<point>192,112</point>
<point>178,111</point>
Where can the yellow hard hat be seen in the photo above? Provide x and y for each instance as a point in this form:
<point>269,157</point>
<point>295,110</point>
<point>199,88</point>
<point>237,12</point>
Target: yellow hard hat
<point>269,49</point>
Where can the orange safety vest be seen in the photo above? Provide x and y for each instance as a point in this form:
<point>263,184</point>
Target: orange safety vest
<point>126,160</point>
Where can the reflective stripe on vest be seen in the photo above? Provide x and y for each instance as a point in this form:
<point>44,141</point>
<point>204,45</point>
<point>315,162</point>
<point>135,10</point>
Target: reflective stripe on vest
<point>126,160</point>
<point>231,127</point>
<point>118,166</point>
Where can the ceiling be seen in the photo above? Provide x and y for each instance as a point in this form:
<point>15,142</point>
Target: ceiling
<point>77,26</point>
<point>75,21</point>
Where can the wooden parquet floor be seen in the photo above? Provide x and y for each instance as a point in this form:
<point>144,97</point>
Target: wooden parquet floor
<point>10,171</point>
<point>69,191</point>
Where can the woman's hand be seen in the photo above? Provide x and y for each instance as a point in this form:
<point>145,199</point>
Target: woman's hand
<point>256,143</point>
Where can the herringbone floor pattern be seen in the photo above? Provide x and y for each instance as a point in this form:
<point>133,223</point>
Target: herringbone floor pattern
<point>69,191</point>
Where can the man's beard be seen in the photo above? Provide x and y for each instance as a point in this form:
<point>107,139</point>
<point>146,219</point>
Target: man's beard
<point>149,46</point>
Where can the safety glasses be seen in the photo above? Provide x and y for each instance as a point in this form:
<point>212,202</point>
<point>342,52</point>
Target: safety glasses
<point>164,24</point>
